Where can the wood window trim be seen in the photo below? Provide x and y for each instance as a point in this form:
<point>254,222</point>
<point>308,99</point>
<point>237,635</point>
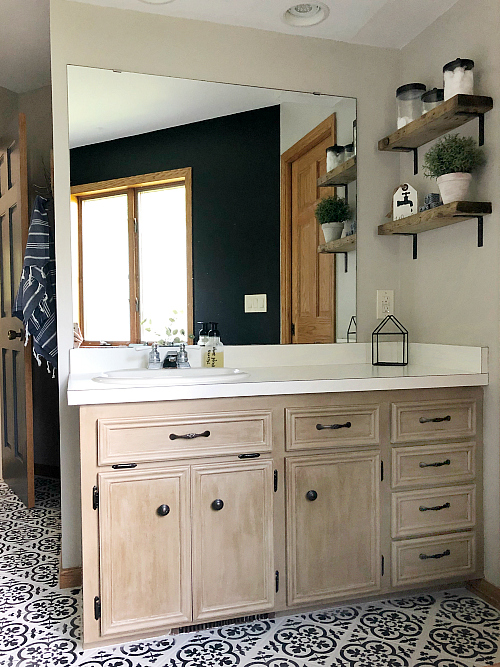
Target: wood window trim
<point>323,130</point>
<point>131,186</point>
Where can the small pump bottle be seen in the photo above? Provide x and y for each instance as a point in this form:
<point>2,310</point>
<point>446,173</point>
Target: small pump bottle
<point>213,356</point>
<point>203,334</point>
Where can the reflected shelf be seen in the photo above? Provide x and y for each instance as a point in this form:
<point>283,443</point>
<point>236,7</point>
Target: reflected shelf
<point>346,244</point>
<point>341,175</point>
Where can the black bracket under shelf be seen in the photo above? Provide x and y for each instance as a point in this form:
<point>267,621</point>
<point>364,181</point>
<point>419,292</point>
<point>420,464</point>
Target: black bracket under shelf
<point>346,262</point>
<point>480,237</point>
<point>472,114</point>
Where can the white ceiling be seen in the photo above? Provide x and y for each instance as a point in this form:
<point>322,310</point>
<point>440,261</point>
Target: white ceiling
<point>390,23</point>
<point>105,105</point>
<point>24,26</point>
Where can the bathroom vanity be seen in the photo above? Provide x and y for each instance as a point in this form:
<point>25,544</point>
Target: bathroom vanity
<point>199,509</point>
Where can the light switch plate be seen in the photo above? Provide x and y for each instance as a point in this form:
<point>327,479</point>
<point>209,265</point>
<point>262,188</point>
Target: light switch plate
<point>255,303</point>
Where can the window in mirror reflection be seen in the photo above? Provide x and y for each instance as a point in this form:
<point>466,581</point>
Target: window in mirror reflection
<point>134,258</point>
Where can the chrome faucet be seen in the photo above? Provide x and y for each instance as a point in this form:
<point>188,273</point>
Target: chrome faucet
<point>154,362</point>
<point>182,357</point>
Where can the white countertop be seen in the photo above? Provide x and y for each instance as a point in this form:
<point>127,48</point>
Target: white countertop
<point>468,369</point>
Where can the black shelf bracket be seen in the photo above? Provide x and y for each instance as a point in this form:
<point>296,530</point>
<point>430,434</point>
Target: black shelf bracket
<point>479,231</point>
<point>403,149</point>
<point>346,262</point>
<point>480,117</point>
<point>414,244</point>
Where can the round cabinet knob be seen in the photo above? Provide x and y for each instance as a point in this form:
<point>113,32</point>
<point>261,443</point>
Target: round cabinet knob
<point>163,510</point>
<point>12,335</point>
<point>217,504</point>
<point>311,495</point>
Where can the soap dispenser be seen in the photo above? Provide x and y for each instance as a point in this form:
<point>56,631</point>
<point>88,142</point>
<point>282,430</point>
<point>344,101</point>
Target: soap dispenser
<point>203,334</point>
<point>213,356</point>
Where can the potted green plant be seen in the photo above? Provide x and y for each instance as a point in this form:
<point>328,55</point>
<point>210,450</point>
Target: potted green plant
<point>331,212</point>
<point>451,161</point>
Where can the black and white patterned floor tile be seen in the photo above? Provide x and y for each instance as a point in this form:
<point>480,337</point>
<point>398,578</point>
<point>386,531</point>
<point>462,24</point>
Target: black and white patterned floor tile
<point>40,624</point>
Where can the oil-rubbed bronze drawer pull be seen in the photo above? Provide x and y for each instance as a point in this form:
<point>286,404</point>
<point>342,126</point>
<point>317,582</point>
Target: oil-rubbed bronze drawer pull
<point>438,464</point>
<point>189,436</point>
<point>311,495</point>
<point>424,420</point>
<point>434,509</point>
<point>320,427</point>
<point>249,456</point>
<point>425,556</point>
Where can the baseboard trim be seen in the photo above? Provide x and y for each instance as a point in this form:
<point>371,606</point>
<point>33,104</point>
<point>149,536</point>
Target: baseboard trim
<point>70,577</point>
<point>488,592</point>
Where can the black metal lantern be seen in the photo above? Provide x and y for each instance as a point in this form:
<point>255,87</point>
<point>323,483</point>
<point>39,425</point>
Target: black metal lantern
<point>390,343</point>
<point>351,329</point>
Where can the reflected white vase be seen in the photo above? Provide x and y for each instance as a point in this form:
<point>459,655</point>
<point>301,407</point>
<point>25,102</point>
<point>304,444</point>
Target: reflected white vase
<point>332,230</point>
<point>454,187</point>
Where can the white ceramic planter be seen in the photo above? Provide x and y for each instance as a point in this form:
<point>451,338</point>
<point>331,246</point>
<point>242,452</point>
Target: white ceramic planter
<point>332,230</point>
<point>454,187</point>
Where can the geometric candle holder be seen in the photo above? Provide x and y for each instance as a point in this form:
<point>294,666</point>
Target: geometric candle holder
<point>390,343</point>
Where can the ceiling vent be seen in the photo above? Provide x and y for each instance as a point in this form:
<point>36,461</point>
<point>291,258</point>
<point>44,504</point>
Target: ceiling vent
<point>306,14</point>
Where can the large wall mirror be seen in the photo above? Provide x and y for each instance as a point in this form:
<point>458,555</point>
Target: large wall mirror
<point>194,202</point>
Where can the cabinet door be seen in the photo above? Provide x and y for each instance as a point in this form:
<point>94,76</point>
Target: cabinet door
<point>233,562</point>
<point>333,540</point>
<point>144,550</point>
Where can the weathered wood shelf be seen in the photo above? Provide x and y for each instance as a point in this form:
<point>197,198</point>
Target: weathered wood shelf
<point>345,244</point>
<point>447,116</point>
<point>440,216</point>
<point>341,175</point>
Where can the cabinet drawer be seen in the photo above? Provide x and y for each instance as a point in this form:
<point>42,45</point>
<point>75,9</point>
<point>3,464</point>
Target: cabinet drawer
<point>433,464</point>
<point>140,439</point>
<point>314,428</point>
<point>429,558</point>
<point>433,420</point>
<point>433,511</point>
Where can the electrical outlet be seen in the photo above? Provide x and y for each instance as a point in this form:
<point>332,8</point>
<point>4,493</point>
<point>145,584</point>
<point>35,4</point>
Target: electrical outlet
<point>385,303</point>
<point>255,303</point>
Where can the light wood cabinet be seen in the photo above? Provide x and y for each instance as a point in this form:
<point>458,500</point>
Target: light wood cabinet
<point>233,560</point>
<point>333,541</point>
<point>145,564</point>
<point>320,501</point>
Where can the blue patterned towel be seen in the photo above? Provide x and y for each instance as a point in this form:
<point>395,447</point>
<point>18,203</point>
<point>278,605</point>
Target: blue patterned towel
<point>35,303</point>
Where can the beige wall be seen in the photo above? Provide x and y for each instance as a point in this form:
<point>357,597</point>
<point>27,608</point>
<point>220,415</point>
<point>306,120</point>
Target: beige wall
<point>450,294</point>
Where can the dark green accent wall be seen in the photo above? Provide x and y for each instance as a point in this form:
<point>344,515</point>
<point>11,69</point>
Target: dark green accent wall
<point>236,210</point>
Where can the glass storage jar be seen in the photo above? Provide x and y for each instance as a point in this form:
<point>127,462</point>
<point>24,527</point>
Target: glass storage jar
<point>409,102</point>
<point>432,98</point>
<point>334,156</point>
<point>458,77</point>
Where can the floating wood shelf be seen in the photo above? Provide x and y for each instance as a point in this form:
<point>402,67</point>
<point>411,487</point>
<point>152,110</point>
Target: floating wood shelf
<point>447,116</point>
<point>341,175</point>
<point>440,216</point>
<point>345,244</point>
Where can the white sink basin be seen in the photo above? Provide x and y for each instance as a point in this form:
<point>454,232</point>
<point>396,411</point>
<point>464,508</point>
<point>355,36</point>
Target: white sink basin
<point>168,377</point>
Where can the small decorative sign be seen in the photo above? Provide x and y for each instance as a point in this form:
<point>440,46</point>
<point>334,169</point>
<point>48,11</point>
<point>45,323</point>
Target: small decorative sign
<point>404,202</point>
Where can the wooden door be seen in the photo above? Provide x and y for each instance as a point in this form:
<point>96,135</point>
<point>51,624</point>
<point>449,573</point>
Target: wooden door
<point>333,541</point>
<point>233,562</point>
<point>144,533</point>
<point>313,274</point>
<point>15,358</point>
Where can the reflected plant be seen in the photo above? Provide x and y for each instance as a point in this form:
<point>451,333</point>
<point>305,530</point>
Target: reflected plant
<point>173,334</point>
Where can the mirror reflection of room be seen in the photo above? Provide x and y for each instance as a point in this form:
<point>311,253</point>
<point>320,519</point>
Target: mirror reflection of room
<point>155,253</point>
